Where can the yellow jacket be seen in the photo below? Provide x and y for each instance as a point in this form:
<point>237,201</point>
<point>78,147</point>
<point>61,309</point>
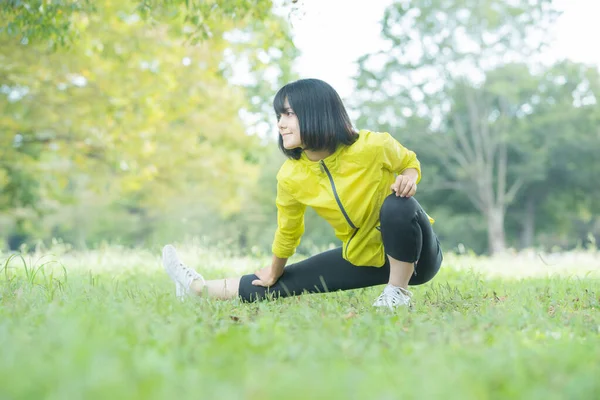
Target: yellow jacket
<point>347,189</point>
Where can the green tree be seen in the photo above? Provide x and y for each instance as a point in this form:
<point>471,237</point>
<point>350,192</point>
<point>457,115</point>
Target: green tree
<point>55,20</point>
<point>545,124</point>
<point>562,133</point>
<point>437,69</point>
<point>134,111</point>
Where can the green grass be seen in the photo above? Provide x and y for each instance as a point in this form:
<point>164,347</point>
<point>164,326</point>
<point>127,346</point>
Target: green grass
<point>117,332</point>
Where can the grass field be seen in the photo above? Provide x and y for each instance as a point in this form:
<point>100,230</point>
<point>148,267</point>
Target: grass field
<point>105,325</point>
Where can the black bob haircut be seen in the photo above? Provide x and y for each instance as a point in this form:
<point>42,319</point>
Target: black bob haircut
<point>323,120</point>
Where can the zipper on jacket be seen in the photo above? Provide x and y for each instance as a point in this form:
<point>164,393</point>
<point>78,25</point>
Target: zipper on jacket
<point>348,244</point>
<point>339,202</point>
<point>335,194</point>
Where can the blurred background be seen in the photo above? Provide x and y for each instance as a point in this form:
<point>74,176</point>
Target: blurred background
<point>146,122</point>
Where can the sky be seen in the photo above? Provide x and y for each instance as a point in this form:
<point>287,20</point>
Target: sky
<point>332,34</point>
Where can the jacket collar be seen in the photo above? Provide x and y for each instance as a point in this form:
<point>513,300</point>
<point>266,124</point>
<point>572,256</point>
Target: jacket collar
<point>331,161</point>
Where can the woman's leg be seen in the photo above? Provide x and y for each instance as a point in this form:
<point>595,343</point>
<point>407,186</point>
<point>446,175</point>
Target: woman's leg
<point>222,289</point>
<point>412,247</point>
<point>325,272</point>
<point>188,281</point>
<point>414,257</point>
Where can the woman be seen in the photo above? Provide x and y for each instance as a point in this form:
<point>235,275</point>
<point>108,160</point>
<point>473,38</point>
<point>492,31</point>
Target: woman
<point>362,183</point>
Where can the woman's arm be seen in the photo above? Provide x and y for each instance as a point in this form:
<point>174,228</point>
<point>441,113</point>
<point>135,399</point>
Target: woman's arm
<point>290,223</point>
<point>277,266</point>
<point>406,183</point>
<point>270,275</point>
<point>398,158</point>
<point>412,173</point>
<point>290,227</point>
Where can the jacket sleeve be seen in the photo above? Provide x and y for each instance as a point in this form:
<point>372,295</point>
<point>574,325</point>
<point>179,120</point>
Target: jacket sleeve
<point>398,158</point>
<point>290,223</point>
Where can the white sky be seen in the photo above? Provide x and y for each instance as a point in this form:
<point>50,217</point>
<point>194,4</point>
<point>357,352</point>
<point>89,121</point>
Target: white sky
<point>332,34</point>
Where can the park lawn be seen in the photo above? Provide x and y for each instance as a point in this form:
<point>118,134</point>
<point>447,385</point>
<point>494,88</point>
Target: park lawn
<point>93,333</point>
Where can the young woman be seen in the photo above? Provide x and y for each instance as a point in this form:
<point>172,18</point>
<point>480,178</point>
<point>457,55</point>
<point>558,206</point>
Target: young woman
<point>362,183</point>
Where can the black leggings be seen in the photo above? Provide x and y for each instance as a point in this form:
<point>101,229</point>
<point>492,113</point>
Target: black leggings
<point>407,236</point>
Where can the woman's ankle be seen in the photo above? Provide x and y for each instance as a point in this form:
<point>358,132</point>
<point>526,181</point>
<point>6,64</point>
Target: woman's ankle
<point>400,273</point>
<point>197,287</point>
<point>398,285</point>
<point>221,289</point>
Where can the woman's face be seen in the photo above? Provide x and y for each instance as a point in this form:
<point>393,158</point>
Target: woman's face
<point>289,129</point>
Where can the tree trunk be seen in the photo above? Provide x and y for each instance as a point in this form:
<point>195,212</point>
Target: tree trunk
<point>18,236</point>
<point>528,224</point>
<point>495,225</point>
<point>243,239</point>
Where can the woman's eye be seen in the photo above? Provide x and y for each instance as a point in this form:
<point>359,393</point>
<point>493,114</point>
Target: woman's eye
<point>289,114</point>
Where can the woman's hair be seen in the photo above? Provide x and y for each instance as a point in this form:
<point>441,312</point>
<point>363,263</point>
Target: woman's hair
<point>323,120</point>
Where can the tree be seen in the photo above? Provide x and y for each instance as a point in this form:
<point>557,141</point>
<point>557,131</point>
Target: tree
<point>56,21</point>
<point>546,124</point>
<point>137,112</point>
<point>437,67</point>
<point>563,135</point>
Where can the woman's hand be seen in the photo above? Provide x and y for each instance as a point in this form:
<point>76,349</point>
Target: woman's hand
<point>266,277</point>
<point>405,186</point>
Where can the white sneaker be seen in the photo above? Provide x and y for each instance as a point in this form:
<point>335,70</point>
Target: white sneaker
<point>393,296</point>
<point>182,275</point>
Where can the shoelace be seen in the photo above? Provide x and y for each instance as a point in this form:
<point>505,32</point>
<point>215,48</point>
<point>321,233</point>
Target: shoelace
<point>406,292</point>
<point>394,296</point>
<point>191,275</point>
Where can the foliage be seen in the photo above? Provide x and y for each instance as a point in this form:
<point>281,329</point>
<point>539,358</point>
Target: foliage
<point>146,121</point>
<point>41,19</point>
<point>449,87</point>
<point>55,21</point>
<point>135,117</point>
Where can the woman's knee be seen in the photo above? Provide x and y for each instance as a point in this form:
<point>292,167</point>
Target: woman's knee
<point>399,208</point>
